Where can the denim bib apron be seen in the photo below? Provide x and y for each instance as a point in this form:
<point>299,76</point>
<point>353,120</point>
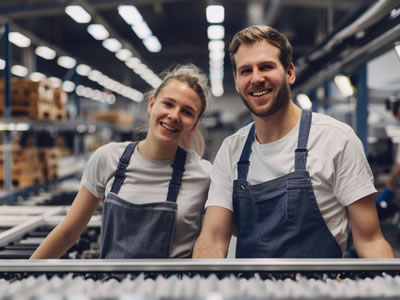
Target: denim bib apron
<point>280,218</point>
<point>139,230</point>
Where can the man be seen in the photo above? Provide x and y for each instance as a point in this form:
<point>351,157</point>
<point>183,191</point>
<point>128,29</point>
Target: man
<point>291,184</point>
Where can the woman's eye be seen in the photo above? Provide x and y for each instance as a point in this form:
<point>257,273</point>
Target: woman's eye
<point>187,113</point>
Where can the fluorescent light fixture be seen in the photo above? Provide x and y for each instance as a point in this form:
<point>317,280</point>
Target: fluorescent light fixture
<point>19,39</point>
<point>112,45</point>
<point>215,13</point>
<point>66,62</point>
<point>68,86</point>
<point>2,64</point>
<point>216,45</point>
<point>19,70</point>
<point>216,32</point>
<point>344,86</point>
<point>98,31</point>
<point>152,44</point>
<point>217,88</point>
<point>217,55</point>
<point>56,82</point>
<point>37,76</point>
<point>83,69</point>
<point>142,30</point>
<point>130,14</point>
<point>123,54</point>
<point>133,62</point>
<point>95,75</point>
<point>397,48</point>
<point>77,13</point>
<point>304,101</point>
<point>45,52</point>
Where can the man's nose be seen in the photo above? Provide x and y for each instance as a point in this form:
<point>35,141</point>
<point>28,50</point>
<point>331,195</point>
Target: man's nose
<point>257,76</point>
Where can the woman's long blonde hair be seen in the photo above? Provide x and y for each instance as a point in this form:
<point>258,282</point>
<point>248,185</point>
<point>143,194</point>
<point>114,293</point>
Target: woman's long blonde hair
<point>197,80</point>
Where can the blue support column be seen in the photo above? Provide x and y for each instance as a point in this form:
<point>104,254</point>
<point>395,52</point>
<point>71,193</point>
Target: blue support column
<point>362,106</point>
<point>7,109</point>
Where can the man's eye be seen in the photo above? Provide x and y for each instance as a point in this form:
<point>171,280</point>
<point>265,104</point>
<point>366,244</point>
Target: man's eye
<point>244,71</point>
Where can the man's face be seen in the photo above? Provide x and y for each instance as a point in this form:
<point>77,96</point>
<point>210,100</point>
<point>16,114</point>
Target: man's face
<point>260,78</point>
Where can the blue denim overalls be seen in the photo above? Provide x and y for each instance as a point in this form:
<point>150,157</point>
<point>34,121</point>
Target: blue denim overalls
<point>139,230</point>
<point>280,218</point>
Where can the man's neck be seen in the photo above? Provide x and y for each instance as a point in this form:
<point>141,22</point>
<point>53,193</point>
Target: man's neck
<point>278,125</point>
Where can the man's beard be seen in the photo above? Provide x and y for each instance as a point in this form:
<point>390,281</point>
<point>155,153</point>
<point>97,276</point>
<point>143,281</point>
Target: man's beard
<point>281,100</point>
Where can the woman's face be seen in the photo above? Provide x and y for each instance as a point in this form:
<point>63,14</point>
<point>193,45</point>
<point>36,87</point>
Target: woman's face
<point>174,113</point>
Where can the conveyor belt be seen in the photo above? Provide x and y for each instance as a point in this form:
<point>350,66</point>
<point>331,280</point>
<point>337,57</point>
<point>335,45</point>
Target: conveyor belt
<point>201,279</point>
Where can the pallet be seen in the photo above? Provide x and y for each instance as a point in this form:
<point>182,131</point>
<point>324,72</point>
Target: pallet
<point>25,167</point>
<point>49,158</point>
<point>34,100</point>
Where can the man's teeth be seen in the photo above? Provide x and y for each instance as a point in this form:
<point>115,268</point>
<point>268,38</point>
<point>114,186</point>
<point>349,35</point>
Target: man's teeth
<point>169,127</point>
<point>260,93</point>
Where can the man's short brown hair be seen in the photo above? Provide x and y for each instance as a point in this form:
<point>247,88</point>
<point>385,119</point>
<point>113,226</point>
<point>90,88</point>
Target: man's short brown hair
<point>259,33</point>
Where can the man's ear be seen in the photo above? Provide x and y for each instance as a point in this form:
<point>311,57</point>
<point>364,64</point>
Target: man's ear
<point>291,74</point>
<point>150,105</point>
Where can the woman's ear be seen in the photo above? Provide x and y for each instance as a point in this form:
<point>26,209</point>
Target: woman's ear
<point>150,105</point>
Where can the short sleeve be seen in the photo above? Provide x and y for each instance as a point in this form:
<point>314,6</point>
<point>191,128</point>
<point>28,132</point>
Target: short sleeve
<point>94,174</point>
<point>353,177</point>
<point>220,193</point>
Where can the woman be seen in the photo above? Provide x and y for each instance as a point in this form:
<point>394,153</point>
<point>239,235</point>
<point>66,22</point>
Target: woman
<point>154,190</point>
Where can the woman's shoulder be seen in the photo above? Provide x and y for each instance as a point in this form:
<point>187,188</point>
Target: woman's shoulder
<point>195,161</point>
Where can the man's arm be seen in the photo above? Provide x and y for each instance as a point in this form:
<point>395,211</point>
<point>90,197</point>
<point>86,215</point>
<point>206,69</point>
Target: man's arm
<point>67,233</point>
<point>215,235</point>
<point>367,236</point>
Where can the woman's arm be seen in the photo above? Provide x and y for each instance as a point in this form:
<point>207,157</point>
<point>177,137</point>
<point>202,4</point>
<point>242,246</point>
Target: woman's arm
<point>67,233</point>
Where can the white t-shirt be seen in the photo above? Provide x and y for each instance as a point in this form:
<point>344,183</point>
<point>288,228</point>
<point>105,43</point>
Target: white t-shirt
<point>340,173</point>
<point>147,182</point>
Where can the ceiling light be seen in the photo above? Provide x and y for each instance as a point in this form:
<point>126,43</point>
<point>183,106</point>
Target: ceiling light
<point>216,45</point>
<point>95,75</point>
<point>215,13</point>
<point>45,52</point>
<point>152,44</point>
<point>2,64</point>
<point>142,30</point>
<point>19,39</point>
<point>77,13</point>
<point>98,31</point>
<point>344,86</point>
<point>216,32</point>
<point>123,54</point>
<point>37,76</point>
<point>130,14</point>
<point>112,45</point>
<point>304,101</point>
<point>19,70</point>
<point>83,69</point>
<point>216,55</point>
<point>68,86</point>
<point>133,62</point>
<point>66,62</point>
<point>397,48</point>
<point>56,82</point>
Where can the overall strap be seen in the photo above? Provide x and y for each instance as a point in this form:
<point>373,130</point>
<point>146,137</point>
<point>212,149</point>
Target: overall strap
<point>178,168</point>
<point>243,163</point>
<point>122,165</point>
<point>304,131</point>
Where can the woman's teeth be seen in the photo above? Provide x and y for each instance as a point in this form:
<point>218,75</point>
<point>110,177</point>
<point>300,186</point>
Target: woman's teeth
<point>169,127</point>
